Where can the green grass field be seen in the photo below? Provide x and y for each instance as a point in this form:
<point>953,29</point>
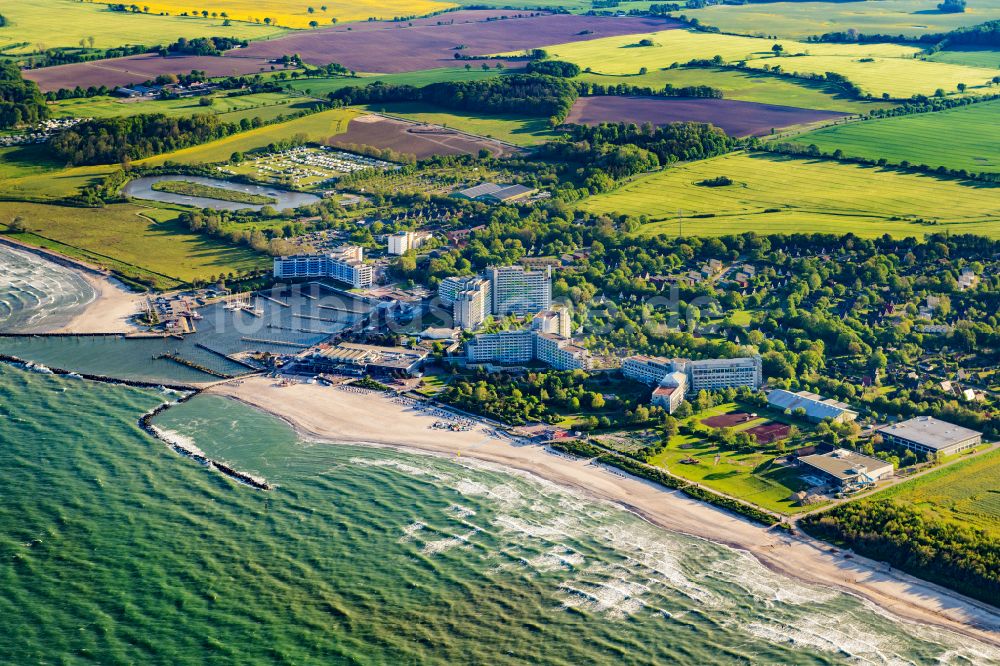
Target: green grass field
<point>749,476</point>
<point>798,20</point>
<point>266,106</point>
<point>315,127</point>
<point>27,173</point>
<point>967,492</point>
<point>63,23</point>
<point>518,130</point>
<point>976,58</point>
<point>136,241</point>
<point>746,86</point>
<point>775,194</point>
<point>321,87</point>
<point>900,77</point>
<point>892,67</point>
<point>952,138</point>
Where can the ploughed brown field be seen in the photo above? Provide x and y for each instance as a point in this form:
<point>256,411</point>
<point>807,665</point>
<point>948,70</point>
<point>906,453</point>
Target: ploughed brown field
<point>413,138</point>
<point>134,70</point>
<point>375,47</point>
<point>735,117</point>
<point>727,420</point>
<point>387,48</point>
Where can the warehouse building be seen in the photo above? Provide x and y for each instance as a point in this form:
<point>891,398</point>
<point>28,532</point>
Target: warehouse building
<point>926,434</point>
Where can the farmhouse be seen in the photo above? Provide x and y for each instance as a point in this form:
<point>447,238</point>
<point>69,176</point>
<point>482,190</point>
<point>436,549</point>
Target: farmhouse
<point>926,434</point>
<point>815,406</point>
<point>846,469</point>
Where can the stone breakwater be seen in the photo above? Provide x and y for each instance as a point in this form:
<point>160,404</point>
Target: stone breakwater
<point>146,421</point>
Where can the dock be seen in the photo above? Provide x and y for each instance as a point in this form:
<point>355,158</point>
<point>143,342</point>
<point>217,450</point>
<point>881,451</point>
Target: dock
<point>276,342</point>
<point>275,300</point>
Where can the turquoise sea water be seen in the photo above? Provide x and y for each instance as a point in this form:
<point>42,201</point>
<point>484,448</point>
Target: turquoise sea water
<point>114,550</point>
<point>37,294</point>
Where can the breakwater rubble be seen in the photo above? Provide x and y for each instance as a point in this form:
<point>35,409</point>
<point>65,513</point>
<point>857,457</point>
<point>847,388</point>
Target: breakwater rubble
<point>187,448</point>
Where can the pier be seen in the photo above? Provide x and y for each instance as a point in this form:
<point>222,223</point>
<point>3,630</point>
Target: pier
<point>276,342</point>
<point>194,366</point>
<point>226,356</point>
<point>315,318</point>
<point>275,300</point>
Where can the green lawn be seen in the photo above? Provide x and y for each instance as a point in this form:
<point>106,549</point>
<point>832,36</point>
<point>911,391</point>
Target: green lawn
<point>746,86</point>
<point>976,58</point>
<point>315,127</point>
<point>967,492</point>
<point>136,241</point>
<point>798,20</point>
<point>875,68</point>
<point>266,106</point>
<point>519,130</point>
<point>955,138</point>
<point>750,476</point>
<point>63,23</point>
<point>321,87</point>
<point>776,194</point>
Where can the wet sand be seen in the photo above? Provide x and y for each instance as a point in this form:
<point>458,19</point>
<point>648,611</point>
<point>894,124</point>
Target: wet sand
<point>341,415</point>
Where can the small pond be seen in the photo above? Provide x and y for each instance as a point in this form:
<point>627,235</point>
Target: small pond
<point>142,188</point>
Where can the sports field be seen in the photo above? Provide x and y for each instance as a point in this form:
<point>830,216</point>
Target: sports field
<point>138,241</point>
<point>952,138</point>
<point>314,127</point>
<point>63,23</point>
<point>876,68</point>
<point>967,492</point>
<point>296,14</point>
<point>746,87</point>
<point>798,20</point>
<point>776,194</point>
<point>518,130</point>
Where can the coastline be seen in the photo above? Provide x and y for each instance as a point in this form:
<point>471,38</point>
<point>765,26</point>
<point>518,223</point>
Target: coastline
<point>334,415</point>
<point>113,305</point>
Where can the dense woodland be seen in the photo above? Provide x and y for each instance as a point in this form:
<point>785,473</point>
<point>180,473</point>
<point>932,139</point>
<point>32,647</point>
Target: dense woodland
<point>202,46</point>
<point>113,140</point>
<point>962,558</point>
<point>20,100</point>
<point>520,94</point>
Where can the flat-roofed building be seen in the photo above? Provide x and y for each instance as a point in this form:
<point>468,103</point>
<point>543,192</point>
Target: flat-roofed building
<point>523,346</point>
<point>557,321</point>
<point>847,469</point>
<point>647,369</point>
<point>816,407</point>
<point>345,264</point>
<point>720,373</point>
<point>926,434</point>
<point>371,359</point>
<point>506,347</point>
<point>404,241</point>
<point>449,287</point>
<point>560,352</point>
<point>472,304</point>
<point>519,291</point>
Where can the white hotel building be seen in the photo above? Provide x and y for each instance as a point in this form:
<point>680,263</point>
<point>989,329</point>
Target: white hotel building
<point>345,264</point>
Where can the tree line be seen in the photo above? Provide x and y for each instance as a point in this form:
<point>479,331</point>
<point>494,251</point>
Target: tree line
<point>520,94</point>
<point>20,100</point>
<point>963,558</point>
<point>112,140</point>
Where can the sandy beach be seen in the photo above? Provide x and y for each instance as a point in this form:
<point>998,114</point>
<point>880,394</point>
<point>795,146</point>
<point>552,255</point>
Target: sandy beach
<point>364,417</point>
<point>111,310</point>
<point>113,305</point>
